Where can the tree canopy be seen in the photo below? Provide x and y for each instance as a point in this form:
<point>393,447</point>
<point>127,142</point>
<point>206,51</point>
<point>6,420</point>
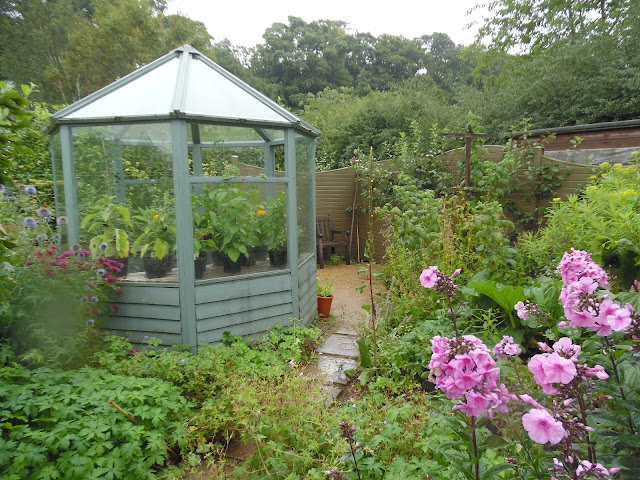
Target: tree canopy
<point>553,62</point>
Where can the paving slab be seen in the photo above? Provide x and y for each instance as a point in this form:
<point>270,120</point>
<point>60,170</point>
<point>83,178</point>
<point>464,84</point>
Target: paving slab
<point>340,345</point>
<point>333,368</point>
<point>346,330</point>
<point>330,392</point>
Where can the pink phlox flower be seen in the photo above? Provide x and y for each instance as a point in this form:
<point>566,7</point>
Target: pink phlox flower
<point>621,318</point>
<point>526,398</point>
<point>579,264</point>
<point>507,348</point>
<point>597,371</point>
<point>584,285</point>
<point>542,427</point>
<point>428,277</point>
<point>467,380</point>
<point>558,369</point>
<point>545,348</point>
<point>521,311</point>
<point>588,467</point>
<point>565,347</point>
<point>475,404</point>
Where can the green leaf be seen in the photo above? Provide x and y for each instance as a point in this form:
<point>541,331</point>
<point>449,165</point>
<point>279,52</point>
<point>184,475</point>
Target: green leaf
<point>160,248</point>
<point>365,357</point>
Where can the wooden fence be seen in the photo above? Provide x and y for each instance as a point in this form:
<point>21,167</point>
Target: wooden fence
<point>337,193</point>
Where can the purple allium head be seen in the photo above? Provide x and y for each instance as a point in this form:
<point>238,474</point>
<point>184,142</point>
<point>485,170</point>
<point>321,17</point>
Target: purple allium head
<point>44,213</point>
<point>94,299</point>
<point>29,189</point>
<point>103,246</point>
<point>42,238</point>
<point>84,300</point>
<point>55,238</point>
<point>101,272</point>
<point>29,222</point>
<point>62,220</point>
<point>81,254</point>
<point>90,323</point>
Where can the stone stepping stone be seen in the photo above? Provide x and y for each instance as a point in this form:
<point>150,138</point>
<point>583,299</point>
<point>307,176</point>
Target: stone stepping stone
<point>330,393</point>
<point>348,331</point>
<point>341,346</point>
<point>333,368</point>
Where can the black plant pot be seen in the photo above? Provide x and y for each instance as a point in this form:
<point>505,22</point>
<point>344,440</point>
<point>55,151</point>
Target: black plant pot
<point>154,268</point>
<point>124,261</point>
<point>200,264</point>
<point>229,266</point>
<point>278,258</point>
<point>217,258</point>
<point>260,253</point>
<point>249,261</point>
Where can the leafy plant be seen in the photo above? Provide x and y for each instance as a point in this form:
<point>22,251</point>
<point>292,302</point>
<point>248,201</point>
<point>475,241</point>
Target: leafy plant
<point>87,424</point>
<point>325,290</point>
<point>273,223</point>
<point>107,222</point>
<point>159,231</point>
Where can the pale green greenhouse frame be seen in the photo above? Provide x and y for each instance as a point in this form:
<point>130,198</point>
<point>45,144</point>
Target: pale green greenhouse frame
<point>188,323</point>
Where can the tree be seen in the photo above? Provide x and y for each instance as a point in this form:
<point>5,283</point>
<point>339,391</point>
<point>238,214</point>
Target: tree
<point>531,24</point>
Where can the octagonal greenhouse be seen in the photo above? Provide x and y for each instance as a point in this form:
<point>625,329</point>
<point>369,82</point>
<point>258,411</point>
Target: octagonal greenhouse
<point>203,188</point>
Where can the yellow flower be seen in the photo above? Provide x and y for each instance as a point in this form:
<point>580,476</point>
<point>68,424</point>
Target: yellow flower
<point>156,216</point>
<point>262,212</point>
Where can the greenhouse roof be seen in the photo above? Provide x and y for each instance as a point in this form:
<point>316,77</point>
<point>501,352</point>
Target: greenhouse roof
<point>182,84</point>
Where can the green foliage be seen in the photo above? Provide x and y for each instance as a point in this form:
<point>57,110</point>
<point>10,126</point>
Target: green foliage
<point>272,225</point>
<point>62,424</point>
<point>107,222</point>
<point>55,306</point>
<point>603,220</point>
<point>14,116</point>
<point>158,236</point>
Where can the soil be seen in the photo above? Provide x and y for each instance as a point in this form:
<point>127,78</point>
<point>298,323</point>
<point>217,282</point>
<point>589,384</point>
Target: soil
<point>348,298</point>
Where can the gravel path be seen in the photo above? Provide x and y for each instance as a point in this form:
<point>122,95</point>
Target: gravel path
<point>346,308</point>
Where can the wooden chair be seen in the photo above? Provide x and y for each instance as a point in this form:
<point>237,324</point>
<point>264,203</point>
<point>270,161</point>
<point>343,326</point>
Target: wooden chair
<point>325,238</point>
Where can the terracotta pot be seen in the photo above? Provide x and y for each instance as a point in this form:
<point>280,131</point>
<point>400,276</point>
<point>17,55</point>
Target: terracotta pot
<point>324,305</point>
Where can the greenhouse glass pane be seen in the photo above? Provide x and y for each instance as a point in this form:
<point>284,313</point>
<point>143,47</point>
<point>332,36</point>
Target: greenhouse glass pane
<point>305,172</point>
<point>238,228</point>
<point>127,171</point>
<point>213,94</point>
<point>149,94</point>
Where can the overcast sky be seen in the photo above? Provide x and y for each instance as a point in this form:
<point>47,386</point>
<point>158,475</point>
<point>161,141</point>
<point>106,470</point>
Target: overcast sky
<point>244,22</point>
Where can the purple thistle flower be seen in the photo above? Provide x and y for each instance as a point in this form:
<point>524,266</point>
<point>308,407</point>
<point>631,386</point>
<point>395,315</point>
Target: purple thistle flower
<point>29,189</point>
<point>29,222</point>
<point>62,221</point>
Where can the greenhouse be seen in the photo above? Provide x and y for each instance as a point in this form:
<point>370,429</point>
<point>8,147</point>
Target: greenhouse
<point>202,189</point>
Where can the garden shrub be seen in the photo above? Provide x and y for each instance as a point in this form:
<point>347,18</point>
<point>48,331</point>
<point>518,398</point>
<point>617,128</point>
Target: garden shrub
<point>602,219</point>
<point>62,425</point>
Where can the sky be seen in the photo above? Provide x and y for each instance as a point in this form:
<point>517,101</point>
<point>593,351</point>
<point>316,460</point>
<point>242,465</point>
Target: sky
<point>244,22</point>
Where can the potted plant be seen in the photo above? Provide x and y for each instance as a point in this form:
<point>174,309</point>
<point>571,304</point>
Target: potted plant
<point>202,236</point>
<point>230,212</point>
<point>157,242</point>
<point>274,231</point>
<point>107,222</point>
<point>325,297</point>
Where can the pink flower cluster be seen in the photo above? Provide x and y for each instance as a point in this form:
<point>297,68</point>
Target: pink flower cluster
<point>582,277</point>
<point>507,348</point>
<point>464,367</point>
<point>556,365</point>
